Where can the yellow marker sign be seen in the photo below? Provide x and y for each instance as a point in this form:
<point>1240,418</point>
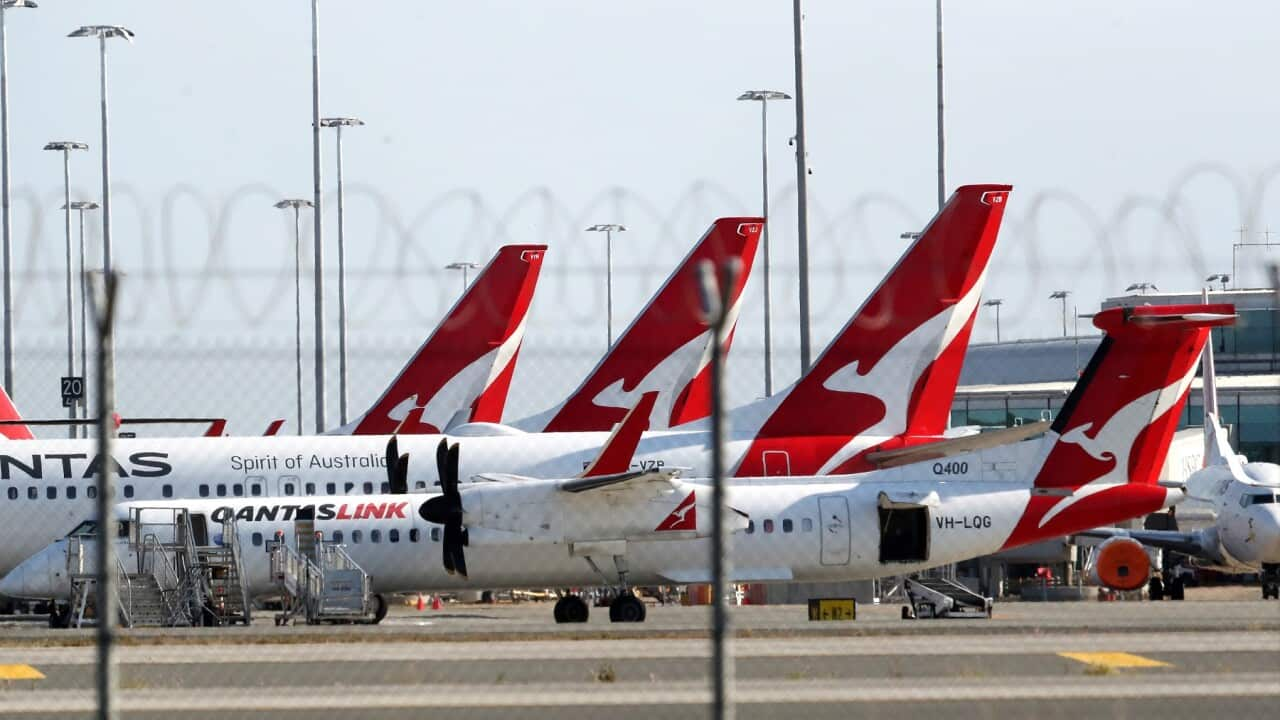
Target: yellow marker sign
<point>20,672</point>
<point>1114,659</point>
<point>833,609</point>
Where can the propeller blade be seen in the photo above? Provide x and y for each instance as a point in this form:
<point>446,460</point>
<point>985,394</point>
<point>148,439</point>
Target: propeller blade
<point>453,468</point>
<point>400,480</point>
<point>442,461</point>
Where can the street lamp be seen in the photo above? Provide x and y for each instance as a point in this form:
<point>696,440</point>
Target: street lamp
<point>608,229</point>
<point>464,267</point>
<point>802,189</point>
<point>1219,277</point>
<point>318,216</point>
<point>296,206</point>
<point>81,206</point>
<point>338,123</point>
<point>103,33</point>
<point>996,303</point>
<point>4,190</point>
<point>1142,287</point>
<point>1062,295</point>
<point>65,147</point>
<point>763,97</point>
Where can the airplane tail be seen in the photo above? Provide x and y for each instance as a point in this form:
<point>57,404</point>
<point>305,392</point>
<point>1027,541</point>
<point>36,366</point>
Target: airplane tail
<point>9,412</point>
<point>463,371</point>
<point>1115,427</point>
<point>667,348</point>
<point>1217,446</point>
<point>892,371</point>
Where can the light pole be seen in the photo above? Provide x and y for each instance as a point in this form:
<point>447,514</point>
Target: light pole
<point>802,186</point>
<point>464,267</point>
<point>996,303</point>
<point>65,147</point>
<point>1062,295</point>
<point>942,147</point>
<point>338,123</point>
<point>103,33</point>
<point>763,97</point>
<point>1219,277</point>
<point>1142,287</point>
<point>4,190</point>
<point>296,206</point>
<point>318,224</point>
<point>608,229</point>
<point>81,206</point>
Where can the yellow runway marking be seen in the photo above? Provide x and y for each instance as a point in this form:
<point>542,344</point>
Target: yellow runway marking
<point>1114,659</point>
<point>20,672</point>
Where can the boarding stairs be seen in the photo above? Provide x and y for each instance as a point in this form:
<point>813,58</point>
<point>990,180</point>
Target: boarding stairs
<point>318,580</point>
<point>940,597</point>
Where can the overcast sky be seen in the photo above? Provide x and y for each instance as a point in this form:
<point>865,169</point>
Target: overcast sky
<point>493,122</point>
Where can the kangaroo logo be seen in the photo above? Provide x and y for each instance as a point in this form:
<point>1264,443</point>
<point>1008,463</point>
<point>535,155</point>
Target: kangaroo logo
<point>684,517</point>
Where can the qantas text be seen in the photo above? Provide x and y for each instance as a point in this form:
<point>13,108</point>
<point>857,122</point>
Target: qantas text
<point>79,465</point>
<point>324,511</point>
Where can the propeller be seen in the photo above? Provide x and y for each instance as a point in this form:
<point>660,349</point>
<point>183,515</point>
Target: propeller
<point>446,509</point>
<point>397,468</point>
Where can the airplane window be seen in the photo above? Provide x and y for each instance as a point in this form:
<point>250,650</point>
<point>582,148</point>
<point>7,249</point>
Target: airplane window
<point>375,536</point>
<point>32,493</point>
<point>331,489</point>
<point>768,526</point>
<point>222,490</point>
<point>51,492</point>
<point>420,485</point>
<point>386,488</point>
<point>91,492</point>
<point>71,492</point>
<point>128,491</point>
<point>256,538</point>
<point>288,488</point>
<point>414,535</point>
<point>237,490</point>
<point>255,489</point>
<point>166,490</point>
<point>368,488</point>
<point>356,535</point>
<point>393,535</point>
<point>1263,499</point>
<point>311,488</point>
<point>88,527</point>
<point>806,524</point>
<point>204,491</point>
<point>1244,500</point>
<point>435,534</point>
<point>337,536</point>
<point>786,525</point>
<point>13,493</point>
<point>751,526</point>
<point>346,488</point>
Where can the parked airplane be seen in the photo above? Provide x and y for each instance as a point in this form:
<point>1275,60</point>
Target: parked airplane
<point>1098,464</point>
<point>1245,534</point>
<point>905,381</point>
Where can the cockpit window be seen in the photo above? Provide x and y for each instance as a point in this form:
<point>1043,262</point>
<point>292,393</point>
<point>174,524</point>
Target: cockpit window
<point>1264,498</point>
<point>88,527</point>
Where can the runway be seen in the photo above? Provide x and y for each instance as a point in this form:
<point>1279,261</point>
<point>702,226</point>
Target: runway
<point>1119,660</point>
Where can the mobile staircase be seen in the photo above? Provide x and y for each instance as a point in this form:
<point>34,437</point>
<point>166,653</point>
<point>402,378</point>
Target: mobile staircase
<point>167,574</point>
<point>319,581</point>
<point>940,597</point>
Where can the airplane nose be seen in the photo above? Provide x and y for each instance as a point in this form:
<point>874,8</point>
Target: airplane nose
<point>14,584</point>
<point>1267,530</point>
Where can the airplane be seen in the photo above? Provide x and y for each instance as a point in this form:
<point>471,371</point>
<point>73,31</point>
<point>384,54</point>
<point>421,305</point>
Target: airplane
<point>1098,463</point>
<point>1244,536</point>
<point>901,378</point>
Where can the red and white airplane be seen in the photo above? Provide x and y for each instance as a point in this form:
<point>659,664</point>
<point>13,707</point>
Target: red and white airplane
<point>1098,464</point>
<point>876,395</point>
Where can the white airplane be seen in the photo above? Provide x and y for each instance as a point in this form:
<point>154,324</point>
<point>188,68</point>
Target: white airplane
<point>1099,463</point>
<point>1245,534</point>
<point>884,385</point>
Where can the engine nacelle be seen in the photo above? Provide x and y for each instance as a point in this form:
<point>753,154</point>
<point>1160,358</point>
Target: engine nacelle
<point>1120,563</point>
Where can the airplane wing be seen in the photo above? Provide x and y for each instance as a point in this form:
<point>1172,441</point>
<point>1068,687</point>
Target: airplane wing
<point>955,446</point>
<point>597,482</point>
<point>1182,542</point>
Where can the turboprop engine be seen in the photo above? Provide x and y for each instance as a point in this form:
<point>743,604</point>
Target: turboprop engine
<point>1120,563</point>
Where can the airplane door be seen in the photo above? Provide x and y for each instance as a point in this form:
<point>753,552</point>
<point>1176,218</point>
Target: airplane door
<point>833,523</point>
<point>777,463</point>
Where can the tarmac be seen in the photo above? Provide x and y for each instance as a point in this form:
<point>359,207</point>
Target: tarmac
<point>1199,658</point>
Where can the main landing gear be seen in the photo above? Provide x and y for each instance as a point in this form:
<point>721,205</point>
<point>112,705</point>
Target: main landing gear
<point>1270,577</point>
<point>626,607</point>
<point>571,609</point>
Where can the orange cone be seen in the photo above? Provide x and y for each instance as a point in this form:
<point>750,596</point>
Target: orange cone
<point>422,603</point>
<point>435,602</point>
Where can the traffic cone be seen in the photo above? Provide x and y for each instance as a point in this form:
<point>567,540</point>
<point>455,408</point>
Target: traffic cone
<point>435,602</point>
<point>422,603</point>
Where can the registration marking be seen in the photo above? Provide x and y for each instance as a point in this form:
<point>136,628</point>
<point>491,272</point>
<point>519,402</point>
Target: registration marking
<point>1114,659</point>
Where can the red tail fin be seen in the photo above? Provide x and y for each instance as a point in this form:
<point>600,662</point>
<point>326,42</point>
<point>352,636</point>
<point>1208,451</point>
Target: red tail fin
<point>616,455</point>
<point>1115,428</point>
<point>666,348</point>
<point>217,428</point>
<point>892,371</point>
<point>466,364</point>
<point>274,428</point>
<point>9,412</point>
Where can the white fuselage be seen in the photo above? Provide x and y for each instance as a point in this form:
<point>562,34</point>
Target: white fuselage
<point>1246,529</point>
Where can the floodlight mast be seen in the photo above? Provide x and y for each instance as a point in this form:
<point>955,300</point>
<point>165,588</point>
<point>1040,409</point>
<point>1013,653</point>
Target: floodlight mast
<point>7,249</point>
<point>66,147</point>
<point>608,229</point>
<point>337,123</point>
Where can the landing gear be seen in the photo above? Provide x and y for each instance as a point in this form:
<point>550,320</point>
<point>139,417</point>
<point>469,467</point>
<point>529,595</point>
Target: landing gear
<point>626,607</point>
<point>1270,581</point>
<point>1155,588</point>
<point>1271,591</point>
<point>572,609</point>
<point>1177,590</point>
<point>59,616</point>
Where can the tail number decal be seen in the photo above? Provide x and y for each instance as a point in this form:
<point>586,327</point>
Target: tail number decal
<point>967,522</point>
